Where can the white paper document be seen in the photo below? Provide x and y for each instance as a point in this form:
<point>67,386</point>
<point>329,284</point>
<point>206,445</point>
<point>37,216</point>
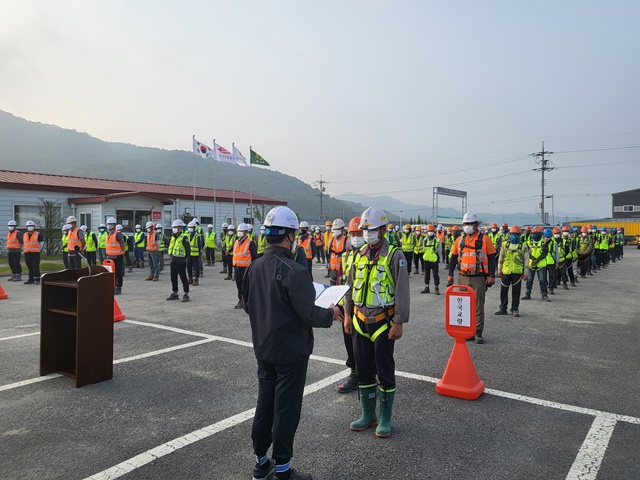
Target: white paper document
<point>325,296</point>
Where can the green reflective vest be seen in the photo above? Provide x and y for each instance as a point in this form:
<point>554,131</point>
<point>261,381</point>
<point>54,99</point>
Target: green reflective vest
<point>102,239</point>
<point>210,239</point>
<point>408,242</point>
<point>419,248</point>
<point>65,240</point>
<point>373,284</point>
<point>513,261</point>
<point>176,247</point>
<point>138,239</point>
<point>90,245</point>
<point>604,241</point>
<point>431,247</point>
<point>194,243</point>
<point>262,244</point>
<point>538,255</point>
<point>229,240</point>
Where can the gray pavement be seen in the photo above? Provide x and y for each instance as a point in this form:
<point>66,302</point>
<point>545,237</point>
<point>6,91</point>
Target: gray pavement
<point>562,399</point>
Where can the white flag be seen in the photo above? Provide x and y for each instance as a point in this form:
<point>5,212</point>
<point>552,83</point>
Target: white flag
<point>201,149</point>
<point>221,154</point>
<point>240,159</point>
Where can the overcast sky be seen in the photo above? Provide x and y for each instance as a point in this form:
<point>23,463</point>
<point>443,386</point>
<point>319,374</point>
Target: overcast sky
<point>387,97</point>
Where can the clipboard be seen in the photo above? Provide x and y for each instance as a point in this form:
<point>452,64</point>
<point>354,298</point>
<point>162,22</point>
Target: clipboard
<point>326,295</point>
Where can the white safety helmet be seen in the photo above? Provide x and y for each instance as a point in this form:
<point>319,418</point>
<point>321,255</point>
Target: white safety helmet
<point>280,218</point>
<point>470,217</point>
<point>118,227</point>
<point>225,225</point>
<point>262,229</point>
<point>178,223</point>
<point>243,227</point>
<point>148,224</point>
<point>250,227</point>
<point>191,224</point>
<point>231,227</point>
<point>102,225</point>
<point>111,220</point>
<point>373,217</point>
<point>304,224</point>
<point>440,226</point>
<point>66,227</point>
<point>338,223</point>
<point>209,226</point>
<point>83,228</point>
<point>12,223</point>
<point>71,219</point>
<point>30,223</point>
<point>159,226</point>
<point>196,220</point>
<point>138,226</point>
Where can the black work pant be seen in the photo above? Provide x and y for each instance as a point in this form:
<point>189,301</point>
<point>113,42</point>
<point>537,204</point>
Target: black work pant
<point>91,257</point>
<point>320,253</point>
<point>127,258</point>
<point>585,262</point>
<point>409,258</point>
<point>569,268</point>
<point>211,255</point>
<point>561,273</point>
<point>65,259</point>
<point>348,343</point>
<point>14,262</point>
<point>552,276</point>
<point>310,266</point>
<point>75,262</point>
<point>119,261</point>
<point>374,357</point>
<point>430,267</point>
<point>239,276</point>
<point>333,277</point>
<point>193,266</point>
<point>32,259</point>
<point>416,262</point>
<point>513,280</point>
<point>229,257</point>
<point>179,268</point>
<point>280,390</point>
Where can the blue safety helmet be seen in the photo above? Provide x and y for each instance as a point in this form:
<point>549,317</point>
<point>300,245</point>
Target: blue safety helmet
<point>547,232</point>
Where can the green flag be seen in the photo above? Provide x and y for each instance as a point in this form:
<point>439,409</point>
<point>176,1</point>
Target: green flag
<point>256,159</point>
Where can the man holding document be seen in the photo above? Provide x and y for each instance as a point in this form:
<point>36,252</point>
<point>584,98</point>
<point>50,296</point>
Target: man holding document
<point>279,297</point>
<point>376,308</point>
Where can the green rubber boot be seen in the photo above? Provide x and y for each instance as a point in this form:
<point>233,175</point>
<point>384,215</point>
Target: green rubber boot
<point>368,403</point>
<point>383,429</point>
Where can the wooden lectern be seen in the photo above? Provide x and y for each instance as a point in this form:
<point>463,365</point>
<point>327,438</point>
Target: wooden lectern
<point>76,333</point>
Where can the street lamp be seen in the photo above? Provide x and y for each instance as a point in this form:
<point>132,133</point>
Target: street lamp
<point>553,214</point>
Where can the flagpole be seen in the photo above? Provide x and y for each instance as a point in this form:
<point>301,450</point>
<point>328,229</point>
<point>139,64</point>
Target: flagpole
<point>234,188</point>
<point>250,188</point>
<point>215,219</point>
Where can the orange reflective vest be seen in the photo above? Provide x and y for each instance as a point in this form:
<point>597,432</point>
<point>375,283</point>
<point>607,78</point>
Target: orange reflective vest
<point>306,244</point>
<point>319,239</point>
<point>336,249</point>
<point>31,243</point>
<point>473,254</point>
<point>73,240</point>
<point>12,240</point>
<point>440,235</point>
<point>113,246</point>
<point>152,242</point>
<point>241,253</point>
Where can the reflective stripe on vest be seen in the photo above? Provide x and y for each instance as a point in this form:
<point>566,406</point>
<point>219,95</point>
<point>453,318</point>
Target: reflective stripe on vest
<point>89,244</point>
<point>262,244</point>
<point>431,250</point>
<point>337,247</point>
<point>241,253</point>
<point>472,261</point>
<point>152,242</point>
<point>319,240</point>
<point>229,242</point>
<point>373,284</point>
<point>102,239</point>
<point>73,240</point>
<point>513,259</point>
<point>210,240</point>
<point>138,239</point>
<point>12,240</point>
<point>194,243</point>
<point>31,243</point>
<point>65,238</point>
<point>536,252</point>
<point>419,248</point>
<point>306,244</point>
<point>408,241</point>
<point>113,246</point>
<point>176,247</point>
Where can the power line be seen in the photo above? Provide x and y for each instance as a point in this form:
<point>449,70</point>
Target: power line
<point>599,149</point>
<point>544,167</point>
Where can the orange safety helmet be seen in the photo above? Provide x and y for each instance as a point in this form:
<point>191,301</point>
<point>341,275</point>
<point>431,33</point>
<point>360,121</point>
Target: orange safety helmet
<point>590,227</point>
<point>527,228</point>
<point>354,225</point>
<point>556,230</point>
<point>505,225</point>
<point>536,229</point>
<point>456,228</point>
<point>566,228</point>
<point>431,228</point>
<point>584,229</point>
<point>494,225</point>
<point>515,229</point>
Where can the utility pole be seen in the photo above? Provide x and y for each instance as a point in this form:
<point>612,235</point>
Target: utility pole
<point>544,167</point>
<point>321,183</point>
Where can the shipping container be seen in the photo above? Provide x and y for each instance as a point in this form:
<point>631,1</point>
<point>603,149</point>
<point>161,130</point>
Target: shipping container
<point>630,226</point>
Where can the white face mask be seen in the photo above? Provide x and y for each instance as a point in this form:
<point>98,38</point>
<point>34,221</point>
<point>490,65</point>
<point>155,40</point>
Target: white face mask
<point>389,230</point>
<point>192,229</point>
<point>494,230</point>
<point>336,233</point>
<point>468,229</point>
<point>431,234</point>
<point>371,237</point>
<point>31,229</point>
<point>111,227</point>
<point>357,242</point>
<point>406,230</point>
<point>11,229</point>
<point>138,230</point>
<point>566,234</point>
<point>584,234</point>
<point>327,228</point>
<point>556,235</point>
<point>240,234</point>
<point>158,230</point>
<point>262,232</point>
<point>174,229</point>
<point>294,245</point>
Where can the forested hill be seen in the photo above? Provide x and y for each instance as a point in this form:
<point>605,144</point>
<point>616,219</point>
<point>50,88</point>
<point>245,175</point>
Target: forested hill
<point>36,147</point>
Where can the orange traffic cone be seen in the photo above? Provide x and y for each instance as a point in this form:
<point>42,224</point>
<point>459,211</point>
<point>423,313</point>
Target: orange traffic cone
<point>118,316</point>
<point>3,295</point>
<point>460,379</point>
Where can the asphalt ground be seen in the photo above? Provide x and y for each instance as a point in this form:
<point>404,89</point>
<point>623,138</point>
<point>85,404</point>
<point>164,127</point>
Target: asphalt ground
<point>561,400</point>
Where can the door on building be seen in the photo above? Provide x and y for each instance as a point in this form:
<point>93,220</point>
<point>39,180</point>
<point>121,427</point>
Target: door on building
<point>130,218</point>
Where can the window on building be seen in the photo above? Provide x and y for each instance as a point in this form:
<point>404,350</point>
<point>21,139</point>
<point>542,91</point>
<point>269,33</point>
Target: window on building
<point>168,219</point>
<point>23,213</point>
<point>85,219</point>
<point>627,208</point>
<point>247,220</point>
<point>206,220</point>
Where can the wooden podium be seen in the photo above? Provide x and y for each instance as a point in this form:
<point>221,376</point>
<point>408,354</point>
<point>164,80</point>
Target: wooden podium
<point>76,324</point>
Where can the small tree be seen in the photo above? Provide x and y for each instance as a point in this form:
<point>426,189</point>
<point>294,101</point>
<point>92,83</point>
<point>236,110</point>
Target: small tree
<point>51,214</point>
<point>256,213</point>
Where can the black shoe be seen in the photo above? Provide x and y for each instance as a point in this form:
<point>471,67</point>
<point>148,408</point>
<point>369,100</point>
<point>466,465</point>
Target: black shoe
<point>471,339</point>
<point>479,338</point>
<point>501,312</point>
<point>185,298</point>
<point>239,305</point>
<point>228,277</point>
<point>527,296</point>
<point>437,292</point>
<point>565,287</point>
<point>29,282</point>
<point>173,296</point>
<point>349,384</point>
<point>266,471</point>
<point>516,313</point>
<point>545,298</point>
<point>293,474</point>
<point>426,289</point>
<point>118,291</point>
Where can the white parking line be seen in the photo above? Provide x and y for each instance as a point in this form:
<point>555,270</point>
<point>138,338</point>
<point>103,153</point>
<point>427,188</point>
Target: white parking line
<point>177,443</point>
<point>20,336</point>
<point>589,458</point>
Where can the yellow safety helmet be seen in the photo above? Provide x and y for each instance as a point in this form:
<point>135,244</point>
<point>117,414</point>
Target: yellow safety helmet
<point>408,226</point>
<point>418,228</point>
<point>328,223</point>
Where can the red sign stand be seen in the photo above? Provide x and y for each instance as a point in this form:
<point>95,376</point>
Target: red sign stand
<point>460,379</point>
<point>110,265</point>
